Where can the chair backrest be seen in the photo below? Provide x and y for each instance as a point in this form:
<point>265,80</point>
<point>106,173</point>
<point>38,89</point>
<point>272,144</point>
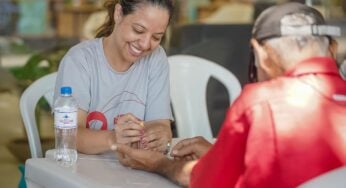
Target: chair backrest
<point>333,179</point>
<point>189,76</point>
<point>43,87</point>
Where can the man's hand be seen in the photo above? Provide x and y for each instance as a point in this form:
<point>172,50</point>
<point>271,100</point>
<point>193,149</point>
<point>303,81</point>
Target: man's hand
<point>157,135</point>
<point>190,148</point>
<point>140,159</point>
<point>153,161</point>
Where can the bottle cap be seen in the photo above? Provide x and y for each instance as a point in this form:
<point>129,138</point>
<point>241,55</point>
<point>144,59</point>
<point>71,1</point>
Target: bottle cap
<point>66,90</point>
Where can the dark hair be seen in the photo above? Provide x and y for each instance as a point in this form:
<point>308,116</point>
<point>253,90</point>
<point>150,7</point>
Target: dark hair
<point>128,6</point>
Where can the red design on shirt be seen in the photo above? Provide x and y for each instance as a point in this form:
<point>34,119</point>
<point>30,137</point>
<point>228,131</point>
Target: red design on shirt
<point>97,116</point>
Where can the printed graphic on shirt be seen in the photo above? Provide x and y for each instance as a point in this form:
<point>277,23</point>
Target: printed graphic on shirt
<point>104,118</point>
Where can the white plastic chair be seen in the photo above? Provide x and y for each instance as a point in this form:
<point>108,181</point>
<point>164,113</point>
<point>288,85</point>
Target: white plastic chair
<point>332,179</point>
<point>43,87</point>
<point>189,76</point>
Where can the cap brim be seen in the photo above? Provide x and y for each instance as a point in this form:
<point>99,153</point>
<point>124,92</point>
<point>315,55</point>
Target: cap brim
<point>317,30</point>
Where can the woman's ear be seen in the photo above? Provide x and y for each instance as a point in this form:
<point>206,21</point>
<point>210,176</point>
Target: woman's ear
<point>118,12</point>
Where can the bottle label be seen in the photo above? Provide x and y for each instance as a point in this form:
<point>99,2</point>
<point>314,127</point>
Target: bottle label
<point>65,118</point>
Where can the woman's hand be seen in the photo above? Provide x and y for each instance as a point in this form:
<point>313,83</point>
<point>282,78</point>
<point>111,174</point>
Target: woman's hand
<point>128,129</point>
<point>190,148</point>
<point>157,135</point>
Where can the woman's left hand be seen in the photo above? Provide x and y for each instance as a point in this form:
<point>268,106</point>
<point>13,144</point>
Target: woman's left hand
<point>157,135</point>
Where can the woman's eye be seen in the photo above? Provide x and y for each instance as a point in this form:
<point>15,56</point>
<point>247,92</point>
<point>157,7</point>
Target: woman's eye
<point>138,31</point>
<point>157,38</point>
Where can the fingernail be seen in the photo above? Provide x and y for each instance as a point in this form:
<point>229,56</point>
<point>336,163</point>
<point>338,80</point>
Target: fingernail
<point>175,152</point>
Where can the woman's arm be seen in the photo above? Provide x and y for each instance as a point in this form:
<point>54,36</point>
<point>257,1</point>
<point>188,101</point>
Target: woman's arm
<point>92,141</point>
<point>128,130</point>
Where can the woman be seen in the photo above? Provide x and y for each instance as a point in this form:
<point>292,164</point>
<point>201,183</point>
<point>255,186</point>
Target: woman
<point>120,79</point>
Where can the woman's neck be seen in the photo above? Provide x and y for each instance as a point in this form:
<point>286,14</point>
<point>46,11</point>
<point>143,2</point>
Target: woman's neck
<point>113,56</point>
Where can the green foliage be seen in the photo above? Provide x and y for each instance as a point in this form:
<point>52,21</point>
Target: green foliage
<point>19,48</point>
<point>39,65</point>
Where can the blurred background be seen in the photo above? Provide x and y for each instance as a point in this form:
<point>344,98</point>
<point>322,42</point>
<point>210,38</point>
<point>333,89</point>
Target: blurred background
<point>35,34</point>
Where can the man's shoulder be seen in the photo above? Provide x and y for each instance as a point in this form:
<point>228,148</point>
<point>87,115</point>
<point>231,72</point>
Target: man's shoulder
<point>260,92</point>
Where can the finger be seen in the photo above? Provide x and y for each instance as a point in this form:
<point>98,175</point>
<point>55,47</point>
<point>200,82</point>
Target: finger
<point>194,157</point>
<point>128,156</point>
<point>129,117</point>
<point>188,158</point>
<point>183,148</point>
<point>151,129</point>
<point>126,161</point>
<point>190,146</point>
<point>123,150</point>
<point>142,144</point>
<point>153,145</point>
<point>187,150</point>
<point>177,158</point>
<point>150,138</point>
<point>127,135</point>
<point>127,140</point>
<point>120,155</point>
<point>132,153</point>
<point>151,133</point>
<point>183,143</point>
<point>131,133</point>
<point>131,125</point>
<point>135,145</point>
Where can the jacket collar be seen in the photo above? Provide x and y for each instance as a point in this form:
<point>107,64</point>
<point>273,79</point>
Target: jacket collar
<point>315,65</point>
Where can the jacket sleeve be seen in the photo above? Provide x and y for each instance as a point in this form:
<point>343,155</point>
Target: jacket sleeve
<point>223,165</point>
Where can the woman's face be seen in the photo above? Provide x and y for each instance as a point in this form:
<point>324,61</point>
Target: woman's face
<point>139,33</point>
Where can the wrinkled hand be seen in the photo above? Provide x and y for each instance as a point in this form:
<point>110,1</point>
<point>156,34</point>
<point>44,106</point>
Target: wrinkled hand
<point>157,134</point>
<point>128,129</point>
<point>190,148</point>
<point>139,159</point>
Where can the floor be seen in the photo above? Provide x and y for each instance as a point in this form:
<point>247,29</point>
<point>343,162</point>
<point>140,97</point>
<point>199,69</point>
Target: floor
<point>11,128</point>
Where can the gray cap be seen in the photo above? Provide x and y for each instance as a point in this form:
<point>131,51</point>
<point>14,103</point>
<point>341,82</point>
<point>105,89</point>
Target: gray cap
<point>270,22</point>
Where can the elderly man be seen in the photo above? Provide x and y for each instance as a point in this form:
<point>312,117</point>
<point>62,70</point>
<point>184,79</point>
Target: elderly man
<point>282,131</point>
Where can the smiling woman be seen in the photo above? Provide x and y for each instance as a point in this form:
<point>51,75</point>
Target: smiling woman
<point>120,78</point>
<point>135,35</point>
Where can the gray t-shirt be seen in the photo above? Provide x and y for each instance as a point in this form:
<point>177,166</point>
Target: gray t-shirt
<point>106,94</point>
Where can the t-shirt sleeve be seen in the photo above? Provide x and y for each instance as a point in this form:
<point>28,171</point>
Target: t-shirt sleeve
<point>223,164</point>
<point>73,72</point>
<point>158,97</point>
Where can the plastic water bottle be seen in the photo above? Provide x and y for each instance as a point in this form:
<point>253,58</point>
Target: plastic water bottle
<point>65,123</point>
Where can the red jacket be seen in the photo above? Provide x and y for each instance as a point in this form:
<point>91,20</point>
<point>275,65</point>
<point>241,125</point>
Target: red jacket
<point>280,133</point>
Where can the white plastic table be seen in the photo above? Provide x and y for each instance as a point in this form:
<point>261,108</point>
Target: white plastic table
<point>90,171</point>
